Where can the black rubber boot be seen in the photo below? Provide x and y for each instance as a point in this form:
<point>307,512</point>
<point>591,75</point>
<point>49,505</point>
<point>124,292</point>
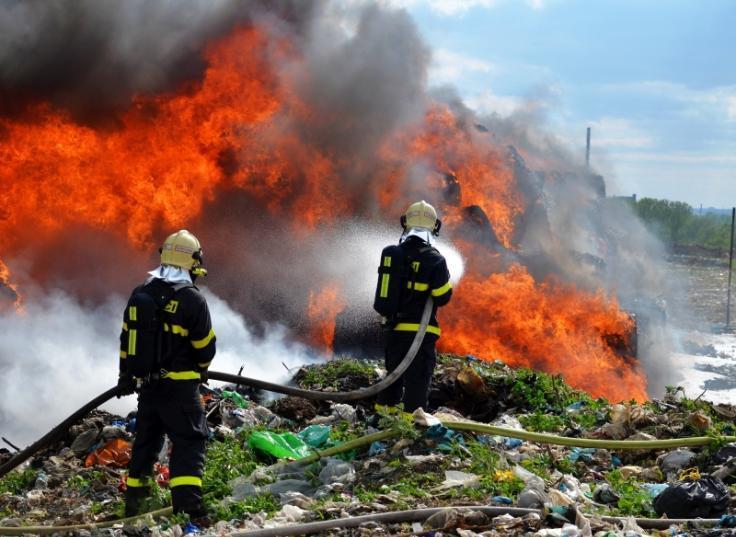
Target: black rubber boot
<point>134,500</point>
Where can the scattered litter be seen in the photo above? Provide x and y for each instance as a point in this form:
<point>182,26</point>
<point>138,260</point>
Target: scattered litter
<point>425,465</point>
<point>706,497</point>
<point>454,478</point>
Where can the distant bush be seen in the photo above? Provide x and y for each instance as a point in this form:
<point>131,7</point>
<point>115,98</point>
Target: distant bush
<point>675,223</point>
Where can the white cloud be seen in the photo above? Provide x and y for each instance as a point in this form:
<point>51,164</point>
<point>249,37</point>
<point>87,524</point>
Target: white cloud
<point>612,132</point>
<point>695,178</point>
<point>675,157</point>
<point>448,66</point>
<point>487,103</point>
<point>718,100</point>
<point>446,7</point>
<point>731,107</point>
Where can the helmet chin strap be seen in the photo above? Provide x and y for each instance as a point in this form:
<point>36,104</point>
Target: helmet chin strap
<point>198,271</point>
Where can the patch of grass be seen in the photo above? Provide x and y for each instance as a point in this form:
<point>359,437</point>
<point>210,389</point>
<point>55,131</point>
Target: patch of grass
<point>501,486</point>
<point>483,459</point>
<point>251,505</point>
<point>77,483</point>
<point>416,485</point>
<point>539,392</point>
<point>539,464</point>
<point>98,507</point>
<point>364,495</point>
<point>329,374</point>
<point>84,479</point>
<point>17,482</point>
<point>634,501</point>
<point>394,417</point>
<point>542,422</point>
<point>343,431</point>
<point>226,460</point>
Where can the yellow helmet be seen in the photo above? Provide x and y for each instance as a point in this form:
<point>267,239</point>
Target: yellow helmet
<point>421,214</point>
<point>182,249</point>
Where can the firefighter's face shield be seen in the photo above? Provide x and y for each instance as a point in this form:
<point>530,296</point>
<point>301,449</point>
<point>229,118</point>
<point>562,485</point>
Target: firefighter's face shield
<point>421,232</point>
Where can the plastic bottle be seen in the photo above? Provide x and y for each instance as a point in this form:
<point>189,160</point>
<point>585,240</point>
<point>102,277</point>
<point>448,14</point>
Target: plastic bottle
<point>42,481</point>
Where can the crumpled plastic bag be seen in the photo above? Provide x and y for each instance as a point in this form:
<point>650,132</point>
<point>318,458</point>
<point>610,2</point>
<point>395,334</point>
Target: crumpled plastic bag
<point>236,398</point>
<point>84,442</point>
<point>706,497</point>
<point>343,412</point>
<point>280,445</point>
<point>116,454</point>
<point>454,478</point>
<point>315,436</point>
<point>724,454</point>
<point>676,460</point>
<point>530,479</point>
<point>443,437</point>
<point>531,498</point>
<point>337,471</point>
<point>425,418</point>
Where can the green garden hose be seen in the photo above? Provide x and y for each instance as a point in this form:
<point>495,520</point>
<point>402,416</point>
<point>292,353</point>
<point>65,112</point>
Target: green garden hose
<point>543,438</point>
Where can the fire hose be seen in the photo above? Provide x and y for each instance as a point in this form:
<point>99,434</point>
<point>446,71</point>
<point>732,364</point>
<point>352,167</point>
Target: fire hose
<point>364,393</point>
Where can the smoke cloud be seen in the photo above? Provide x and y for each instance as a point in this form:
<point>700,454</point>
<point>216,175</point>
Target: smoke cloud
<point>61,353</point>
<point>92,56</point>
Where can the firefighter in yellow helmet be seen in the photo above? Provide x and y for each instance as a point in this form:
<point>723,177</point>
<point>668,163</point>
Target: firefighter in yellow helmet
<point>408,273</point>
<point>166,345</point>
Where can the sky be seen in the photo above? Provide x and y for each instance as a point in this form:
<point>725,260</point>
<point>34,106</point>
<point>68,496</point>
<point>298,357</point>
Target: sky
<point>654,79</point>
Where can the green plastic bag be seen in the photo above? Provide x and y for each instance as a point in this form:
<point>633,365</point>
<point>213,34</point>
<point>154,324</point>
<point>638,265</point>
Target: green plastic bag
<point>280,445</point>
<point>315,435</point>
<point>235,397</point>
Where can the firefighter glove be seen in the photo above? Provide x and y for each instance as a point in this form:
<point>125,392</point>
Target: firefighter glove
<point>126,385</point>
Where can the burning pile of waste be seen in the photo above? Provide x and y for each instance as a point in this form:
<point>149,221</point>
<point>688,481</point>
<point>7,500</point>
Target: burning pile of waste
<point>291,135</point>
<point>291,462</point>
<point>283,148</point>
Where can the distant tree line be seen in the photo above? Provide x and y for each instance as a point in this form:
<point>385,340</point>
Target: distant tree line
<point>678,226</point>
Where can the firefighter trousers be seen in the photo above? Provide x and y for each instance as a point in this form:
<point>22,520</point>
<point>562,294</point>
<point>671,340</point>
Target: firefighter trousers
<point>412,388</point>
<point>173,408</point>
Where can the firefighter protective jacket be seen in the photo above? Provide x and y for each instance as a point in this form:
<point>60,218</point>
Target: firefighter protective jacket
<point>428,275</point>
<point>188,342</point>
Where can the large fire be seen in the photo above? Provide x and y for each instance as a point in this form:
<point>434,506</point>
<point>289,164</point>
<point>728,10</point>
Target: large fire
<point>170,155</point>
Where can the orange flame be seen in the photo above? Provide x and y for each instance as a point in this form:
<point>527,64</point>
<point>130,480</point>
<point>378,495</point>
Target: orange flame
<point>549,326</point>
<point>8,291</point>
<point>322,308</point>
<point>170,154</point>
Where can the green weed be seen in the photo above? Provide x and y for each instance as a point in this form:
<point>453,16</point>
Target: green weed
<point>17,482</point>
<point>536,391</point>
<point>330,373</point>
<point>226,460</point>
<point>251,505</point>
<point>634,500</point>
<point>542,422</point>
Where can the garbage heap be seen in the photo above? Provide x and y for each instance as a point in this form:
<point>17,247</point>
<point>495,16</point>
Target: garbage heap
<point>281,463</point>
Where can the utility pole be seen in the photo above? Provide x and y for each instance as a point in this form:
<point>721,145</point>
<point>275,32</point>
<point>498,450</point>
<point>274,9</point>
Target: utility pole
<point>730,269</point>
<point>587,149</point>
